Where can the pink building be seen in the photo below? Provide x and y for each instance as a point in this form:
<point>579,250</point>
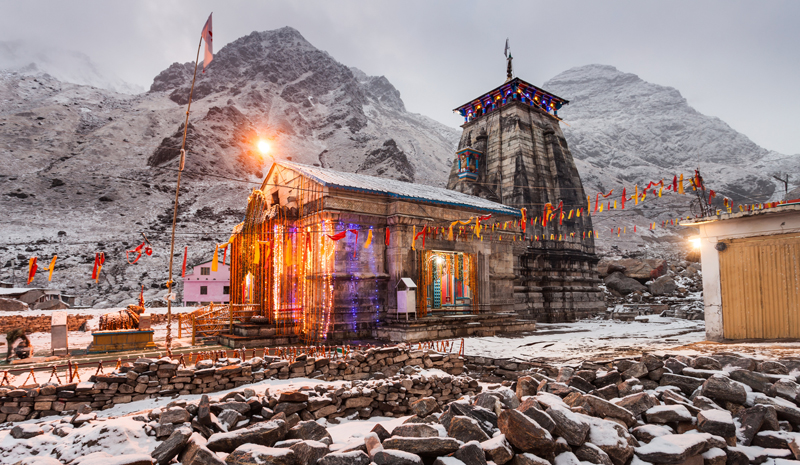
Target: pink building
<point>202,286</point>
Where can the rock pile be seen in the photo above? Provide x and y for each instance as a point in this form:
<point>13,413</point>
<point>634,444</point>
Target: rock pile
<point>676,410</point>
<point>653,410</point>
<point>147,378</point>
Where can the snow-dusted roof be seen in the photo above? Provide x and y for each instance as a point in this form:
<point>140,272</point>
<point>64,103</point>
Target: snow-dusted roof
<point>400,189</point>
<point>18,290</point>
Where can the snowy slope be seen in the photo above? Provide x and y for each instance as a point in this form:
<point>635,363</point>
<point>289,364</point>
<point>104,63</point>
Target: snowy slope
<point>624,131</point>
<point>87,170</point>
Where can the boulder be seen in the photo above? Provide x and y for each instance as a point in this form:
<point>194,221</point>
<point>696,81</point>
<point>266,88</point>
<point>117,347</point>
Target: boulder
<point>751,421</point>
<point>714,456</point>
<point>622,284</point>
<point>486,419</point>
<point>466,429</point>
<point>602,408</point>
<point>652,362</point>
<point>532,409</point>
<point>524,433</point>
<point>262,434</point>
<point>592,454</point>
<point>707,363</point>
<point>424,407</point>
<point>497,449</point>
<point>526,386</point>
<point>757,381</point>
<point>722,388</point>
<point>416,430</point>
<point>526,458</point>
<point>663,414</point>
<point>612,438</point>
<point>647,433</point>
<point>664,285</point>
<point>254,454</point>
<point>355,457</point>
<point>717,422</point>
<point>174,444</point>
<point>309,430</point>
<point>430,447</point>
<point>650,268</point>
<point>293,396</point>
<point>673,448</point>
<point>569,425</point>
<point>204,408</point>
<point>309,452</point>
<point>686,384</point>
<point>637,403</point>
<point>26,431</point>
<point>396,457</point>
<point>636,370</point>
<point>447,461</point>
<point>471,453</point>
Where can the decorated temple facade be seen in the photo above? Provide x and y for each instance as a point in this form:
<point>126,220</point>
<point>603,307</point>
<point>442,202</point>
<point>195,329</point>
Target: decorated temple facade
<point>512,151</point>
<point>320,252</point>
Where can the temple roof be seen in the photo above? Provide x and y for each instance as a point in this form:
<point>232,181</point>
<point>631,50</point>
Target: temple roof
<point>526,88</point>
<point>398,189</point>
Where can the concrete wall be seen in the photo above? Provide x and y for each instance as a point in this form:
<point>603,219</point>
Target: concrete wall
<point>781,220</point>
<point>215,281</point>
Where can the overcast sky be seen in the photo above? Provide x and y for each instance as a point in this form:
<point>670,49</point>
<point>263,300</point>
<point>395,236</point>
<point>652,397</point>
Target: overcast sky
<point>737,60</point>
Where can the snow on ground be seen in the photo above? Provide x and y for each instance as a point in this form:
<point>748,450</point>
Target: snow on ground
<point>590,339</point>
<point>82,339</point>
<point>115,432</point>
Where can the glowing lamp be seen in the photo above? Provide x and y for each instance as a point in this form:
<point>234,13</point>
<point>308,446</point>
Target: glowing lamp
<point>263,147</point>
<point>695,242</point>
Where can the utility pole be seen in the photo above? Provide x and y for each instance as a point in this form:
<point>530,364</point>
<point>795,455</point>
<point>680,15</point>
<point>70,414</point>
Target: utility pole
<point>785,186</point>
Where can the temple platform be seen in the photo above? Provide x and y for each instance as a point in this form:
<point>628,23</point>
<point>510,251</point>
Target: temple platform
<point>121,339</point>
<point>429,328</point>
<point>253,335</point>
<point>448,326</point>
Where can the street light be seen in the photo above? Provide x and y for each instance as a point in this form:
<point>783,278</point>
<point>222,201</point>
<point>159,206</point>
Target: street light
<point>263,147</point>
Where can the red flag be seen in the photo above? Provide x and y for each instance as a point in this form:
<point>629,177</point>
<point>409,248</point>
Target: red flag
<point>386,240</point>
<point>355,244</point>
<point>624,195</point>
<point>208,38</point>
<point>183,270</point>
<point>224,254</point>
<point>32,267</point>
<point>141,297</point>
<point>337,236</point>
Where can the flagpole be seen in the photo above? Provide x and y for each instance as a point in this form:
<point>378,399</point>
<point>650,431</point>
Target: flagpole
<point>175,209</point>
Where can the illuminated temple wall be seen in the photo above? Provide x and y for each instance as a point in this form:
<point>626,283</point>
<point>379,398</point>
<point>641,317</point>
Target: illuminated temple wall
<point>362,279</point>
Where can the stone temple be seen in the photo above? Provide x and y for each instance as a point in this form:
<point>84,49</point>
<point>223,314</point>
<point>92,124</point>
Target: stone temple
<point>512,151</point>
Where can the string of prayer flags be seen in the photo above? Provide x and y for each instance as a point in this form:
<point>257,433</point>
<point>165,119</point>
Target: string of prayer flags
<point>183,268</point>
<point>31,269</point>
<point>338,236</point>
<point>355,243</point>
<point>369,239</point>
<point>51,268</point>
<point>99,260</point>
<point>138,251</point>
<point>215,258</point>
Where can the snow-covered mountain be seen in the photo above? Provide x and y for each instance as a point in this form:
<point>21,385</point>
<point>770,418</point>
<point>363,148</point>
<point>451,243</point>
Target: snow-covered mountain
<point>624,131</point>
<point>65,65</point>
<point>87,170</point>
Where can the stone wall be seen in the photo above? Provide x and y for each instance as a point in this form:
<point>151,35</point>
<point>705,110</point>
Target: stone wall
<point>37,324</point>
<point>148,378</point>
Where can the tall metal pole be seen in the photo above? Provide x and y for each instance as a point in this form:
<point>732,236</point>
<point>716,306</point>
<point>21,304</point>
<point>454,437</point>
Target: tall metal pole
<point>175,210</point>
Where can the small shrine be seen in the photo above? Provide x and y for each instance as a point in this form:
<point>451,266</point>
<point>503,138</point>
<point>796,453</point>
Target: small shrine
<point>468,163</point>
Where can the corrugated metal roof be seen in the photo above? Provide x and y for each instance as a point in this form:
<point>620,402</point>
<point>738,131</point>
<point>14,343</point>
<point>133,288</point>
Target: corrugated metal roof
<point>18,290</point>
<point>400,189</point>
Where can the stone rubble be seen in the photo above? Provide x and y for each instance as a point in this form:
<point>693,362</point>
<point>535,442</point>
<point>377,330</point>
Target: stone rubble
<point>692,413</point>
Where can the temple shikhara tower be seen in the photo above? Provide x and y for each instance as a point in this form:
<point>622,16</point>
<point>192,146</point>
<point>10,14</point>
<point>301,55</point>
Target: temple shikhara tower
<point>512,151</point>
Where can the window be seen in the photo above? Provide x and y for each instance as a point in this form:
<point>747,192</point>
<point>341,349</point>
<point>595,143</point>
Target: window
<point>226,290</point>
<point>276,200</point>
<point>203,290</point>
<point>205,271</point>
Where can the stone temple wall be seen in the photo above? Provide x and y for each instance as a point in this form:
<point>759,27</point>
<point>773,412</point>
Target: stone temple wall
<point>526,163</point>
